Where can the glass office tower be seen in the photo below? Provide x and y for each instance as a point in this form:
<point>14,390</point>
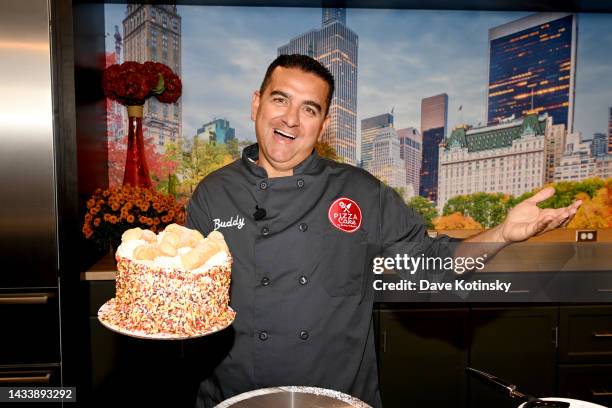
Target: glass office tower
<point>532,66</point>
<point>428,187</point>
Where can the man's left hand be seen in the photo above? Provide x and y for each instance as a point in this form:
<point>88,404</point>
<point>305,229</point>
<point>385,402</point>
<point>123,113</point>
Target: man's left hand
<point>527,219</point>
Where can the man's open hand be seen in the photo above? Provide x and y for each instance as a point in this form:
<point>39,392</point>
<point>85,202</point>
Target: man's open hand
<point>527,219</point>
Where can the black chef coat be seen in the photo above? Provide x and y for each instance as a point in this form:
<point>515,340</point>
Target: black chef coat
<point>301,288</point>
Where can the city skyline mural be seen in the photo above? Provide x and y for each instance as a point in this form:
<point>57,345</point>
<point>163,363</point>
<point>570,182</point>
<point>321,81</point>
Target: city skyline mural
<point>482,83</point>
<point>225,51</point>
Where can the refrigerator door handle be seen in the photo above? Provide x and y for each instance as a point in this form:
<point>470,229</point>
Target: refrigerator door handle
<point>25,298</point>
<point>38,379</point>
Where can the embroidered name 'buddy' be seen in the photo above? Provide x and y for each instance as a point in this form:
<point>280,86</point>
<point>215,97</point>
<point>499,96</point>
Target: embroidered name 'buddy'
<point>236,221</point>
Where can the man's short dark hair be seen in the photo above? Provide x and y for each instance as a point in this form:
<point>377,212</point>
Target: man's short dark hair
<point>305,64</point>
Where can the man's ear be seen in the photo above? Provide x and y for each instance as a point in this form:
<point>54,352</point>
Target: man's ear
<point>255,105</point>
<point>324,126</point>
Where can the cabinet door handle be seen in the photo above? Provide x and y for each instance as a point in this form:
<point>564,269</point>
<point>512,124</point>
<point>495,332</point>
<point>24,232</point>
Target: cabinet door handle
<point>601,393</point>
<point>384,341</point>
<point>602,334</point>
<point>25,299</point>
<point>38,379</point>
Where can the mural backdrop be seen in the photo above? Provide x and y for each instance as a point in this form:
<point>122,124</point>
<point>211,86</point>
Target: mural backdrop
<point>463,113</point>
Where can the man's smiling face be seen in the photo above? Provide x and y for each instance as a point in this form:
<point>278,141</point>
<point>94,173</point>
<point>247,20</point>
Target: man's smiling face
<point>289,118</point>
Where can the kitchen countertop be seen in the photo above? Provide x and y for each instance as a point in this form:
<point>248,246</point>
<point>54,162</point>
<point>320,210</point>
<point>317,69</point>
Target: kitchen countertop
<point>103,270</point>
<point>552,252</point>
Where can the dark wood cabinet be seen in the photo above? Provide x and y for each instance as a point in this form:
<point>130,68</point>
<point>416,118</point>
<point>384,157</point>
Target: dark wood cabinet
<point>422,357</point>
<point>552,350</point>
<point>585,353</point>
<point>585,334</point>
<point>589,382</point>
<point>517,344</point>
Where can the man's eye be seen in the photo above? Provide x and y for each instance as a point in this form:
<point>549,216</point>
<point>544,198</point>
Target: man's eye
<point>310,111</point>
<point>279,100</point>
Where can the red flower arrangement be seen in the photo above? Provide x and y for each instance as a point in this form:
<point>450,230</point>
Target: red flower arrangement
<point>131,83</point>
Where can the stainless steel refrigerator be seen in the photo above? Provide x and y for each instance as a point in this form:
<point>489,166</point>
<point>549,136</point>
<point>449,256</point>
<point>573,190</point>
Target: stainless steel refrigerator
<point>30,341</point>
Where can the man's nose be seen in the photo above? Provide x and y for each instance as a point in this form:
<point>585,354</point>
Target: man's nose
<point>291,117</point>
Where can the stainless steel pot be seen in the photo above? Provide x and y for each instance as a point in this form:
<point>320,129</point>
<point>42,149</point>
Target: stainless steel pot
<point>293,397</point>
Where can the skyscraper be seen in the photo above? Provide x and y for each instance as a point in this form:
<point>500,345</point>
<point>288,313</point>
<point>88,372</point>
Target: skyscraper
<point>115,112</point>
<point>153,33</point>
<point>599,145</point>
<point>532,68</point>
<point>369,130</point>
<point>387,164</point>
<point>428,187</point>
<point>434,112</point>
<point>333,14</point>
<point>411,152</point>
<point>217,131</point>
<point>554,148</point>
<point>335,46</point>
<point>610,133</point>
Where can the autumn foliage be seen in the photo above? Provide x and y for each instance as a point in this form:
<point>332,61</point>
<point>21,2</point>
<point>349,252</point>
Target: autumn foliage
<point>490,209</point>
<point>326,151</point>
<point>455,220</point>
<point>594,212</point>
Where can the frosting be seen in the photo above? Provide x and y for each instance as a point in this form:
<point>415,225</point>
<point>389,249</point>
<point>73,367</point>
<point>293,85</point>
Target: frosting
<point>127,247</point>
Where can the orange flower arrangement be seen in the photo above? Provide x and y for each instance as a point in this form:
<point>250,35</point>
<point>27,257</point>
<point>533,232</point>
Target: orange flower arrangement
<point>112,211</point>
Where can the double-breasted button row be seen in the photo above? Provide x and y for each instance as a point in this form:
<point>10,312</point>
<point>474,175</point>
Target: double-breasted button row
<point>265,231</point>
<point>264,335</point>
<point>264,184</point>
<point>265,281</point>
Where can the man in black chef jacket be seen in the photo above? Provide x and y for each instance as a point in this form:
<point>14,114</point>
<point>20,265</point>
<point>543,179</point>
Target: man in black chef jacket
<point>303,231</point>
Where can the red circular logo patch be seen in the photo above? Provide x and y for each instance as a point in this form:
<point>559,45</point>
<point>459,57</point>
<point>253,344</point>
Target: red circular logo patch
<point>345,215</point>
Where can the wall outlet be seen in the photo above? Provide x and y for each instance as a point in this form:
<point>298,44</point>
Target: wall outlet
<point>586,235</point>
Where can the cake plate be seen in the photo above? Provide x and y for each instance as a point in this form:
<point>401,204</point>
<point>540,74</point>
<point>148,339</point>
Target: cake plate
<point>106,309</point>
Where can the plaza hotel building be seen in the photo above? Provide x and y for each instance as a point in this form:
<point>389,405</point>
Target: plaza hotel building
<point>509,157</point>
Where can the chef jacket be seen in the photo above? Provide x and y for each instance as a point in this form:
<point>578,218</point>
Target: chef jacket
<point>300,286</point>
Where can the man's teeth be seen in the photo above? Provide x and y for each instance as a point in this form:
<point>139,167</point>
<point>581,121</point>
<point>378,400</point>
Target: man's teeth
<point>287,135</point>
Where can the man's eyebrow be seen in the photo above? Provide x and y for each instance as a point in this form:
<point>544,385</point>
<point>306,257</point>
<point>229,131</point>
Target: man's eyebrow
<point>281,93</point>
<point>314,104</point>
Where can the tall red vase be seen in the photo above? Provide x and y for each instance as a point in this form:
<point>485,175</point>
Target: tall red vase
<point>136,170</point>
